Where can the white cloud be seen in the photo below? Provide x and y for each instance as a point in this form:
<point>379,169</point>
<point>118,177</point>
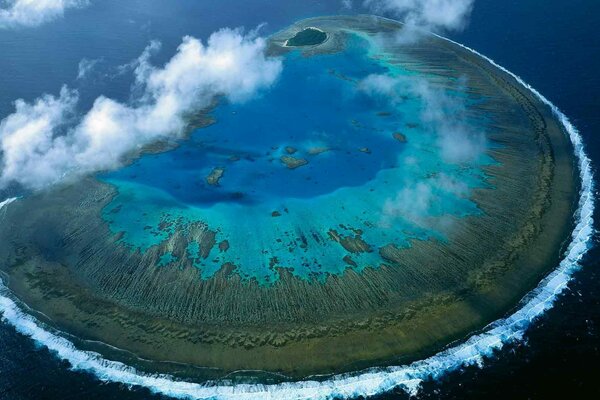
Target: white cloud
<point>85,67</point>
<point>446,116</point>
<point>382,85</point>
<point>29,13</point>
<point>430,15</point>
<point>40,147</point>
<point>418,201</point>
<point>441,114</point>
<point>30,150</point>
<point>459,142</point>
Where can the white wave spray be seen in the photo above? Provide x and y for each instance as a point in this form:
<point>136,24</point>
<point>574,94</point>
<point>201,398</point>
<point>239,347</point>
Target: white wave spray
<point>365,383</point>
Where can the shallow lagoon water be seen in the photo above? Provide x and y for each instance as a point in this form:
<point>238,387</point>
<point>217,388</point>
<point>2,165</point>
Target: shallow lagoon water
<point>362,150</point>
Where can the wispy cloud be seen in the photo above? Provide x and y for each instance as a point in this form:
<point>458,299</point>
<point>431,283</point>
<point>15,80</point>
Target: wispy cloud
<point>29,13</point>
<point>442,115</point>
<point>85,67</point>
<point>455,137</point>
<point>43,142</point>
<point>418,201</point>
<point>425,15</point>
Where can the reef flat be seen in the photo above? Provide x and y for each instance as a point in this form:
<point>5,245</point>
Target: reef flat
<point>361,266</point>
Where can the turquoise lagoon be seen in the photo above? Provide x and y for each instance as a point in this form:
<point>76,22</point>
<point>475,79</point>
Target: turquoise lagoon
<point>360,179</point>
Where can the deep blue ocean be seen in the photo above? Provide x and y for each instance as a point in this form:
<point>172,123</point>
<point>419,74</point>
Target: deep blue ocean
<point>552,44</point>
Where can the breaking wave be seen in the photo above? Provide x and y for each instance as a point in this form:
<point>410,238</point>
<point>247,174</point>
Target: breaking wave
<point>365,383</point>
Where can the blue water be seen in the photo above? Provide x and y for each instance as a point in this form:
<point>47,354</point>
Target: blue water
<point>552,44</point>
<point>317,103</point>
<point>300,112</point>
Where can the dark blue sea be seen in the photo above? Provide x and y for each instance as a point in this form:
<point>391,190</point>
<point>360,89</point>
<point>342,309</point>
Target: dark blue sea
<point>552,44</point>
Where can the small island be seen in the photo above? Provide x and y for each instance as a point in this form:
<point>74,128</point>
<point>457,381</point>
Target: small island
<point>399,136</point>
<point>215,176</point>
<point>293,162</point>
<point>307,37</point>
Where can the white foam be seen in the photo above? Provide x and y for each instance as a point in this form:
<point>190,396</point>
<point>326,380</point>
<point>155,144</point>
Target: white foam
<point>7,202</point>
<point>365,383</point>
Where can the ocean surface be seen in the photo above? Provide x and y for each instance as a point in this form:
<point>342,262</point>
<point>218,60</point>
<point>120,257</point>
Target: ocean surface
<point>552,45</point>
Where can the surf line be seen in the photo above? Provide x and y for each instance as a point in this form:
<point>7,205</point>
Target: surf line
<point>364,383</point>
